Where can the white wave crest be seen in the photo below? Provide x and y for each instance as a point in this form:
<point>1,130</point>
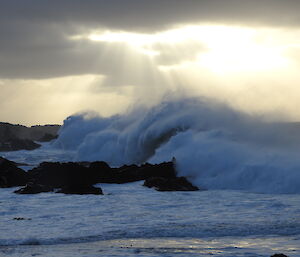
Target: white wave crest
<point>215,146</point>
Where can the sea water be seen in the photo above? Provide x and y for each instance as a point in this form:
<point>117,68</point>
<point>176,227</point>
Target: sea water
<point>131,220</point>
<point>248,168</point>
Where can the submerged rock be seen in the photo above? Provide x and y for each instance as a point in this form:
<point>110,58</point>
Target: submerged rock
<point>32,188</point>
<point>81,190</point>
<point>170,184</point>
<point>11,175</point>
<point>21,218</point>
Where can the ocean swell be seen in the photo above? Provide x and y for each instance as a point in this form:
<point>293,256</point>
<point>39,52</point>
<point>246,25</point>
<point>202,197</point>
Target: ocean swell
<point>215,146</point>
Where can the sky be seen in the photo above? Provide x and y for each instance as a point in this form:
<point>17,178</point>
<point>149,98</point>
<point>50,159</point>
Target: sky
<point>60,57</point>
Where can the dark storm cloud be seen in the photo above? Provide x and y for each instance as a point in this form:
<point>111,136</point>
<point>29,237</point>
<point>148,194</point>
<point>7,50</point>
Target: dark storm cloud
<point>35,34</point>
<point>148,15</point>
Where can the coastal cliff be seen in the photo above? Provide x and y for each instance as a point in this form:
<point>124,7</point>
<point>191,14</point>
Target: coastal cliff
<point>18,137</point>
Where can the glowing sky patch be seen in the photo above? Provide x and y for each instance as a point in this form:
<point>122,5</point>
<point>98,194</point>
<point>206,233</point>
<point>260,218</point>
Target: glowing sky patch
<point>229,49</point>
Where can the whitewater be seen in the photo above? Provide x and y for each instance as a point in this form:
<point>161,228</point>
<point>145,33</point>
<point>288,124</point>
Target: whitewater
<point>247,166</point>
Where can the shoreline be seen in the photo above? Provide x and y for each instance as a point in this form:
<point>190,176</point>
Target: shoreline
<point>163,246</point>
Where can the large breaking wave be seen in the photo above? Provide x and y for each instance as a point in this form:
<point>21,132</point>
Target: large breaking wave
<point>215,146</point>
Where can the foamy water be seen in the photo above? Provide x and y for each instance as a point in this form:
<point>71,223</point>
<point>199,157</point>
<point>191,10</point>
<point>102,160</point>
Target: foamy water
<point>215,146</point>
<point>131,219</point>
<point>250,168</point>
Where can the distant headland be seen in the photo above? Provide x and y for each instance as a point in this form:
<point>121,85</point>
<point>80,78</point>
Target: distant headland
<point>14,137</point>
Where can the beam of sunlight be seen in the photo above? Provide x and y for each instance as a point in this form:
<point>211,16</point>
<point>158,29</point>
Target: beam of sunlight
<point>229,49</point>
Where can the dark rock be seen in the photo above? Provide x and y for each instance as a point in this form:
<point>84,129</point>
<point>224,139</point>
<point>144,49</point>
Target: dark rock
<point>39,131</point>
<point>100,171</point>
<point>70,178</point>
<point>11,175</point>
<point>32,188</point>
<point>18,137</point>
<point>21,218</point>
<point>81,190</point>
<point>47,137</point>
<point>99,165</point>
<point>279,255</point>
<point>124,174</point>
<point>60,175</point>
<point>164,170</point>
<point>131,173</point>
<point>80,177</point>
<point>170,184</point>
<point>15,144</point>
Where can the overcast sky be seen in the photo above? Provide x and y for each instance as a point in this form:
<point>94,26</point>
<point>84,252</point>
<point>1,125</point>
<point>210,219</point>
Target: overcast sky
<point>58,57</point>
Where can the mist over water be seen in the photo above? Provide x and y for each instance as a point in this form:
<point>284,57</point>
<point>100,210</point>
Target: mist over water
<point>215,146</point>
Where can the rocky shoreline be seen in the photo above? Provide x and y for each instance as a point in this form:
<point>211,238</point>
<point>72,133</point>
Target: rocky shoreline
<point>18,137</point>
<point>80,177</point>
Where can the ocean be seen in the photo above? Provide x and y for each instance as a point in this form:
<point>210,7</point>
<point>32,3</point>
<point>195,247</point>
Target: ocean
<point>247,166</point>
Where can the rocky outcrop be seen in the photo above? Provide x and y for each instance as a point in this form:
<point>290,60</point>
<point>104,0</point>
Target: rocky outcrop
<point>18,137</point>
<point>60,175</point>
<point>79,178</point>
<point>11,175</point>
<point>131,173</point>
<point>81,190</point>
<point>43,133</point>
<point>170,184</point>
<point>67,178</point>
<point>15,144</point>
<point>47,137</point>
<point>33,188</point>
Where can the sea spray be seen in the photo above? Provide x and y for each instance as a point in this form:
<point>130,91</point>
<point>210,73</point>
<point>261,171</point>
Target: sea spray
<point>213,162</point>
<point>135,136</point>
<point>215,146</point>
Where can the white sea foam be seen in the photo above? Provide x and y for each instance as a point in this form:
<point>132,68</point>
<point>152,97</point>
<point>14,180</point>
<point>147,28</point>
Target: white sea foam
<point>215,146</point>
<point>133,211</point>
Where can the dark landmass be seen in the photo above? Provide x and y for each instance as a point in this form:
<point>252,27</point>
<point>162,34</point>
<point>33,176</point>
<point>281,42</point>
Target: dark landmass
<point>11,175</point>
<point>19,137</point>
<point>80,177</point>
<point>170,184</point>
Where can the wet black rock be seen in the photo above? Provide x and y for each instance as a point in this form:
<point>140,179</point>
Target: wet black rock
<point>21,218</point>
<point>32,188</point>
<point>58,175</point>
<point>11,175</point>
<point>79,178</point>
<point>131,173</point>
<point>68,178</point>
<point>81,190</point>
<point>170,184</point>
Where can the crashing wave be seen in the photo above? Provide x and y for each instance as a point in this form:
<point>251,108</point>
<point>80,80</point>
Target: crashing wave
<point>214,145</point>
